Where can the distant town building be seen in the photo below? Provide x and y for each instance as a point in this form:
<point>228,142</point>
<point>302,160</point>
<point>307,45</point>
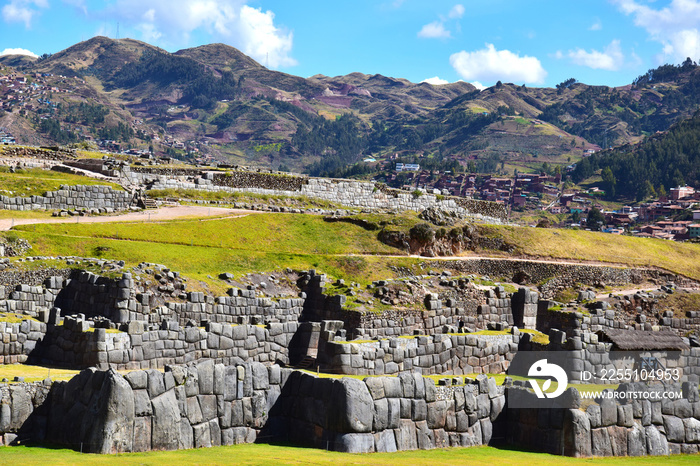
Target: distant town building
<point>681,192</point>
<point>407,167</point>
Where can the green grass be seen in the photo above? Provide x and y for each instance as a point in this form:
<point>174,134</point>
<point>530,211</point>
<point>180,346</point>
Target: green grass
<point>4,214</point>
<point>35,373</point>
<point>34,181</point>
<point>262,454</point>
<point>198,248</point>
<point>14,318</point>
<point>681,258</point>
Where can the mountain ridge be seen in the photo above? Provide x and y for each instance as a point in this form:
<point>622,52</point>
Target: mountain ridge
<point>236,110</point>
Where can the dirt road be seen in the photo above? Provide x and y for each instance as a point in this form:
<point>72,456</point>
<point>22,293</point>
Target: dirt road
<point>163,213</point>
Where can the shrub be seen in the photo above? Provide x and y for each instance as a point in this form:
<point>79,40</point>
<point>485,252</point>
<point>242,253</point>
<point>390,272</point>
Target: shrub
<point>422,232</point>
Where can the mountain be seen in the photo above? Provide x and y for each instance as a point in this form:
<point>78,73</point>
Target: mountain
<point>215,103</point>
<point>663,161</point>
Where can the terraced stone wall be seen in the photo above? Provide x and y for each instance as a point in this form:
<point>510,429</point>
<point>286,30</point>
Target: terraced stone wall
<point>437,354</point>
<point>101,198</point>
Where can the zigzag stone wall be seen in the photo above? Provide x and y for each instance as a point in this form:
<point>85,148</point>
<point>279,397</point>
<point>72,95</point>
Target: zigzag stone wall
<point>208,404</point>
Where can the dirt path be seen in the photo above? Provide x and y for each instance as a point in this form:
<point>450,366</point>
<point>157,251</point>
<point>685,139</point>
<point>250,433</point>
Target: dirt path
<point>163,213</point>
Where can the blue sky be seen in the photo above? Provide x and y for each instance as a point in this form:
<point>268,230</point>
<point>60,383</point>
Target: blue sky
<point>535,42</point>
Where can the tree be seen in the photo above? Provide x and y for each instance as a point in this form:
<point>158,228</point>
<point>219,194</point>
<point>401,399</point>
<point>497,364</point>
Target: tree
<point>609,182</point>
<point>595,219</point>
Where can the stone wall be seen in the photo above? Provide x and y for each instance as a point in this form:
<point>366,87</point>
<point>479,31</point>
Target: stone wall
<point>447,312</point>
<point>192,406</point>
<point>77,343</point>
<point>18,340</point>
<point>612,427</point>
<point>359,194</point>
<point>439,354</point>
<point>100,198</point>
<point>550,276</point>
<point>208,404</point>
<point>387,414</point>
<point>600,317</point>
<point>123,300</point>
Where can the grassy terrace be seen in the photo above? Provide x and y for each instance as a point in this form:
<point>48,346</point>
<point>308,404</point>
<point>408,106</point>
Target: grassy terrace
<point>198,248</point>
<point>35,181</point>
<point>681,258</point>
<point>262,454</point>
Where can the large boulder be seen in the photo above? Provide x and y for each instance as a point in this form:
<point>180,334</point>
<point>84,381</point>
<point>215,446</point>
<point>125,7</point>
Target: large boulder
<point>353,406</point>
<point>111,416</point>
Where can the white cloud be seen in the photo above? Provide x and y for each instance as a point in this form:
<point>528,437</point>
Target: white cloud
<point>249,29</point>
<point>478,85</point>
<point>435,81</point>
<point>434,30</point>
<point>18,52</point>
<point>23,11</point>
<point>491,65</point>
<point>610,59</point>
<point>596,26</point>
<point>79,4</point>
<point>262,38</point>
<point>457,11</point>
<point>675,26</point>
<point>437,29</point>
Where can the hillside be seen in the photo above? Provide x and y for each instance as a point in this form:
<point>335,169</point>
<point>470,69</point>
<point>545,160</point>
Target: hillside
<point>661,162</point>
<point>213,103</point>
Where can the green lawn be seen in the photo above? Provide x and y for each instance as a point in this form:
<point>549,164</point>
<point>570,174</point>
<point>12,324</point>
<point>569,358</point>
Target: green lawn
<point>681,258</point>
<point>261,454</point>
<point>35,181</point>
<point>198,248</point>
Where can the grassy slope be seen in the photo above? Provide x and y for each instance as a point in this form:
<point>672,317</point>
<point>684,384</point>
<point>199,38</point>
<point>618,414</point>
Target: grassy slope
<point>34,181</point>
<point>261,454</point>
<point>200,248</point>
<point>681,258</point>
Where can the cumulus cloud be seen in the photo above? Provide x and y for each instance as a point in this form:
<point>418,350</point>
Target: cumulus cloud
<point>610,59</point>
<point>675,26</point>
<point>23,11</point>
<point>457,11</point>
<point>18,52</point>
<point>434,30</point>
<point>249,29</point>
<point>437,29</point>
<point>435,81</point>
<point>596,26</point>
<point>478,85</point>
<point>491,65</point>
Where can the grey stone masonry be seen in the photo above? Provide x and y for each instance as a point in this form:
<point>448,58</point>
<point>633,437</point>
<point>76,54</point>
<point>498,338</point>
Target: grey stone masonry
<point>647,425</point>
<point>102,198</point>
<point>437,354</point>
<point>351,193</point>
<point>206,404</point>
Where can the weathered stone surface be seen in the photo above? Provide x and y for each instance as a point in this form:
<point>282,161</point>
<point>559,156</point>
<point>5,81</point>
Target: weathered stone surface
<point>353,405</point>
<point>113,420</point>
<point>577,434</point>
<point>385,442</point>
<point>166,422</point>
<point>406,435</point>
<point>618,440</point>
<point>656,442</point>
<point>636,441</point>
<point>600,442</point>
<point>354,443</point>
